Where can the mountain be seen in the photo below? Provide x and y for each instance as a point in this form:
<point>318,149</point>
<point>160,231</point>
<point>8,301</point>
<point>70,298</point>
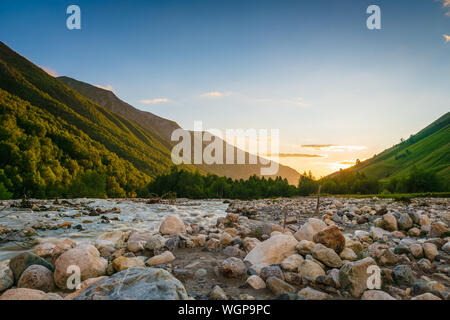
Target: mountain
<point>163,128</point>
<point>428,150</point>
<point>55,142</point>
<point>51,135</point>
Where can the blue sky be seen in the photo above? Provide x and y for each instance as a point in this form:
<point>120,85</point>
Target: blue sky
<point>309,68</point>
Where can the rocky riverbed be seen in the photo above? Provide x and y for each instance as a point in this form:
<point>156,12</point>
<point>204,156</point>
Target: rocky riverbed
<point>266,249</point>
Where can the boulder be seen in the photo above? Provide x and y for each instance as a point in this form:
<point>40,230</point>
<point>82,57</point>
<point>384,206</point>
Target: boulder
<point>389,222</point>
<point>231,251</point>
<point>226,239</point>
<point>137,240</point>
<point>60,248</point>
<point>212,244</point>
<point>416,250</point>
<point>250,243</point>
<point>25,294</point>
<point>309,229</point>
<point>19,263</point>
<point>312,294</point>
<point>405,222</point>
<point>172,225</point>
<point>155,244</point>
<point>426,296</point>
<point>123,263</point>
<point>310,269</point>
<point>83,286</point>
<point>430,250</point>
<point>136,284</point>
<point>271,271</point>
<point>199,240</point>
<point>326,255</point>
<point>44,250</point>
<point>113,239</point>
<point>256,282</point>
<point>217,293</point>
<point>438,229</point>
<point>355,245</point>
<point>233,267</point>
<point>353,276</point>
<point>446,247</point>
<point>414,232</point>
<point>6,278</point>
<point>348,254</point>
<point>403,275</point>
<point>376,295</point>
<point>292,262</point>
<point>162,258</point>
<point>331,237</point>
<point>37,277</point>
<point>87,259</point>
<point>271,251</point>
<point>378,233</point>
<point>304,247</point>
<point>279,287</point>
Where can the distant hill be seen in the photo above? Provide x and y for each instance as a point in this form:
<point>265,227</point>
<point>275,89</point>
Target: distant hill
<point>163,128</point>
<point>429,150</point>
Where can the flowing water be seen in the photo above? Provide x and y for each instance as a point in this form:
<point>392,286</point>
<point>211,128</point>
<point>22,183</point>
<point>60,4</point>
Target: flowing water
<point>134,215</point>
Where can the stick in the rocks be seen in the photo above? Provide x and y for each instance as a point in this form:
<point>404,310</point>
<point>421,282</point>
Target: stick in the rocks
<point>284,219</point>
<point>318,200</point>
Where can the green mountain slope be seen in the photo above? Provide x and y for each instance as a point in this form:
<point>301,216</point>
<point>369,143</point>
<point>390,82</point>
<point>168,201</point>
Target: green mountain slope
<point>427,150</point>
<point>51,127</point>
<point>163,128</point>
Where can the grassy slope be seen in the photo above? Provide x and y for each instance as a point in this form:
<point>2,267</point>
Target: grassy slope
<point>118,135</point>
<point>429,149</point>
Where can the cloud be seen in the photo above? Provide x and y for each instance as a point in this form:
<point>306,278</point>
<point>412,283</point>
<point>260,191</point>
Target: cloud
<point>107,87</point>
<point>446,5</point>
<point>215,94</point>
<point>153,101</point>
<point>296,155</point>
<point>299,101</point>
<point>447,38</point>
<point>49,71</point>
<point>316,146</point>
<point>333,147</point>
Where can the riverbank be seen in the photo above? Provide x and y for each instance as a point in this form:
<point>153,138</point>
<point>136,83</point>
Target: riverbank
<point>262,249</point>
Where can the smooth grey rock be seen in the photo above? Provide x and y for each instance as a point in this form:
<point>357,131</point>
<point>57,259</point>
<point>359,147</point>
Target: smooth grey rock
<point>137,284</point>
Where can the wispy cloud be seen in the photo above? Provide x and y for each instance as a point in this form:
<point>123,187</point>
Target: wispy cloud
<point>445,5</point>
<point>215,94</point>
<point>296,155</point>
<point>299,101</point>
<point>446,37</point>
<point>107,87</point>
<point>50,71</point>
<point>333,147</point>
<point>153,101</point>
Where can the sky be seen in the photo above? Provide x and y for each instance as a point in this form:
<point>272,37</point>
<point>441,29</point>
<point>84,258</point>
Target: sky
<point>336,90</point>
